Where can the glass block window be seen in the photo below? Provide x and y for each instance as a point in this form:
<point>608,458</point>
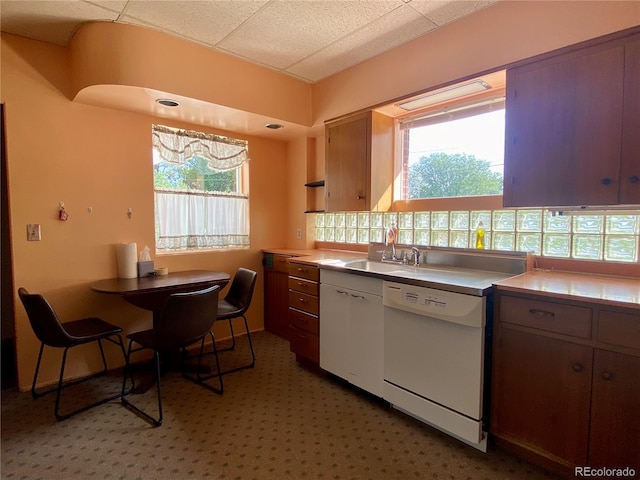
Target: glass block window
<point>611,238</point>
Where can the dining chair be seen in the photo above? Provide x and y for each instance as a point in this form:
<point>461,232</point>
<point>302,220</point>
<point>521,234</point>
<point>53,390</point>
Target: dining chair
<point>185,319</point>
<point>235,305</point>
<point>52,333</point>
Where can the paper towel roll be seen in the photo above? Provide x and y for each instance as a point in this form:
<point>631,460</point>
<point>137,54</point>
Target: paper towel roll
<point>127,254</point>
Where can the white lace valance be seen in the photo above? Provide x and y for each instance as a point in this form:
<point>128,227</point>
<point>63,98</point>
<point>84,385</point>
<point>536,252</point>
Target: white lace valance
<point>179,146</point>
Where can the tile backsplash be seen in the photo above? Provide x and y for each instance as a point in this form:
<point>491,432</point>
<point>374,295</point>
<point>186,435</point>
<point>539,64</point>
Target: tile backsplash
<point>611,237</point>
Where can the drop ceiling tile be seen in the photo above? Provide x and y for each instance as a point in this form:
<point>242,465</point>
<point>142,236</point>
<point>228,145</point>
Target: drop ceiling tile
<point>395,28</point>
<point>304,27</point>
<point>444,11</point>
<point>52,21</point>
<point>205,22</point>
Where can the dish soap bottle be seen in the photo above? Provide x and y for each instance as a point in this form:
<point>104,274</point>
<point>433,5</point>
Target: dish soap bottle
<point>480,235</point>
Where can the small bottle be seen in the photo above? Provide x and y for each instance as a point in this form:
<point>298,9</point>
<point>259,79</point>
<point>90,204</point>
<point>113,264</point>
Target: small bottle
<point>480,235</point>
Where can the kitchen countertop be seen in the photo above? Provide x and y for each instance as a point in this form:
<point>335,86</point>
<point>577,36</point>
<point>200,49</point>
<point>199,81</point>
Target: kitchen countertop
<point>318,257</point>
<point>460,280</point>
<point>602,289</point>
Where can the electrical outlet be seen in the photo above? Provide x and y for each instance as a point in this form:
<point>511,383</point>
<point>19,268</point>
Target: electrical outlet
<point>299,233</point>
<point>33,232</point>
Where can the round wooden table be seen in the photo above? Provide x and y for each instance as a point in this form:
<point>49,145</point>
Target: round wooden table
<point>151,292</point>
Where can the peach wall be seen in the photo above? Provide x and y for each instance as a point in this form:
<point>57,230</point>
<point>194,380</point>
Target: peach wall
<point>105,53</point>
<point>503,33</point>
<point>86,156</point>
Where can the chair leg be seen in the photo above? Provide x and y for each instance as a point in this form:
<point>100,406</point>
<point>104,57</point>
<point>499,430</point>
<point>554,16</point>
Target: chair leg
<point>202,379</point>
<point>253,355</point>
<point>61,385</point>
<point>35,394</point>
<point>233,338</point>
<point>156,422</point>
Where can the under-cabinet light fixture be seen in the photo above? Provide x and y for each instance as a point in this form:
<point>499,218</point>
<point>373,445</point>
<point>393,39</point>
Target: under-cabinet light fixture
<point>450,93</point>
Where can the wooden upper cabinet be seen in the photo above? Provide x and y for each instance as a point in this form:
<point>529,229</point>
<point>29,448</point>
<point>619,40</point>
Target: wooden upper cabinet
<point>359,163</point>
<point>630,164</point>
<point>572,128</point>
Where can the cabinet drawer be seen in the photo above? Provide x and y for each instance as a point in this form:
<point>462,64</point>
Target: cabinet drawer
<point>621,329</point>
<point>305,344</point>
<point>302,301</point>
<point>280,262</point>
<point>549,316</point>
<point>303,271</point>
<point>304,321</point>
<point>304,286</point>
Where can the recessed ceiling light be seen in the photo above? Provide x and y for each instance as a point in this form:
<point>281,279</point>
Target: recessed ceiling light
<point>167,102</point>
<point>274,126</point>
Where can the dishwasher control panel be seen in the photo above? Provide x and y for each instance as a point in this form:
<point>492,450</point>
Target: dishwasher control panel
<point>448,306</point>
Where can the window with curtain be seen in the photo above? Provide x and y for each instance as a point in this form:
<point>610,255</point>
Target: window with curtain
<point>200,189</point>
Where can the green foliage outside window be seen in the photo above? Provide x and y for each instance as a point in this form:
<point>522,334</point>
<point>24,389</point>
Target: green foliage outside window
<point>456,175</point>
<point>194,175</point>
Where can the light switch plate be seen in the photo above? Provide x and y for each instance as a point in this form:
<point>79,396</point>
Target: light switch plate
<point>33,232</point>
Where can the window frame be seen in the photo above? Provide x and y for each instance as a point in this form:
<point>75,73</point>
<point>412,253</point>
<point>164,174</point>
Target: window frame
<point>207,201</point>
<point>455,109</point>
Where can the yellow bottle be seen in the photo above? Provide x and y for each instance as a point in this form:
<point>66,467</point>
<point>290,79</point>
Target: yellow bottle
<point>480,235</point>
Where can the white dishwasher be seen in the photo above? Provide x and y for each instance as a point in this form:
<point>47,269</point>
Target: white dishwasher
<point>434,342</point>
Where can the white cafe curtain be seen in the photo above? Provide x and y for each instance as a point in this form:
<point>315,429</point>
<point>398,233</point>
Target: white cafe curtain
<point>200,220</point>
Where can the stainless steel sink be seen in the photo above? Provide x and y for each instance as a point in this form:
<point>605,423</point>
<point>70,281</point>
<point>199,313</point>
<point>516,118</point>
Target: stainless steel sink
<point>377,267</point>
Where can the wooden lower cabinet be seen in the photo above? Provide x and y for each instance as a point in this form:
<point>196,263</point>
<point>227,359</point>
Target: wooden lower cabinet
<point>303,313</point>
<point>276,294</point>
<point>566,383</point>
<point>615,410</point>
<point>543,399</point>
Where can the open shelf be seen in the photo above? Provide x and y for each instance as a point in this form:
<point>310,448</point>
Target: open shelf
<point>318,183</point>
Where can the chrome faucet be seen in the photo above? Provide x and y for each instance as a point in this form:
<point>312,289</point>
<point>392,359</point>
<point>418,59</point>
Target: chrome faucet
<point>416,256</point>
<point>394,240</point>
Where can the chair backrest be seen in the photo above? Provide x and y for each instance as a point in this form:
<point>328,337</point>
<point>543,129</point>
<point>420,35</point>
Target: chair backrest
<point>44,321</point>
<point>241,290</point>
<point>186,317</point>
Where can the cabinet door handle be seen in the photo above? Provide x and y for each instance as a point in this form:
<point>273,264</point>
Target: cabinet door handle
<point>607,376</point>
<point>342,292</point>
<point>357,296</point>
<point>634,179</point>
<point>606,181</point>
<point>360,197</point>
<point>577,367</point>
<point>302,300</point>
<point>541,313</point>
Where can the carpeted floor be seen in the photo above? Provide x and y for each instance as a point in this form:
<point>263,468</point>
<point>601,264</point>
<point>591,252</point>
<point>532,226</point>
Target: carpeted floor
<point>276,421</point>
